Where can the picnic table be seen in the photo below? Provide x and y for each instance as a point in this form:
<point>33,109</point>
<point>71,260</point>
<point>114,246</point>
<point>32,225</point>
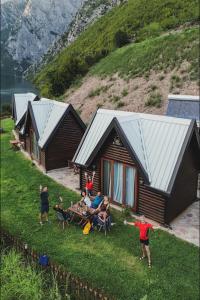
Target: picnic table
<point>83,212</point>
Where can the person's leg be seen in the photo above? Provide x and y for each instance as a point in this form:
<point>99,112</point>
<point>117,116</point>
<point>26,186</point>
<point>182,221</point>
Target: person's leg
<point>143,250</point>
<point>148,254</point>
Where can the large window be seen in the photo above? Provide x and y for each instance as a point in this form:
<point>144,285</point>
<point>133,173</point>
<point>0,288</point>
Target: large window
<point>119,182</point>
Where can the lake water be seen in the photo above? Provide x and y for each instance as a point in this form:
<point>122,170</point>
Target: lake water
<point>11,84</point>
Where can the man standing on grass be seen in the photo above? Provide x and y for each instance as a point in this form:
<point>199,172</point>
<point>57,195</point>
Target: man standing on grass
<point>144,238</point>
<point>44,201</point>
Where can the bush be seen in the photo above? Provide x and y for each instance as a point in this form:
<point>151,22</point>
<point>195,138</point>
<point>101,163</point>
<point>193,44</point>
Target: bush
<point>6,110</point>
<point>120,39</point>
<point>155,99</point>
<point>152,30</point>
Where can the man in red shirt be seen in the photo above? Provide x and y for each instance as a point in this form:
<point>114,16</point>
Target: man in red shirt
<point>144,238</point>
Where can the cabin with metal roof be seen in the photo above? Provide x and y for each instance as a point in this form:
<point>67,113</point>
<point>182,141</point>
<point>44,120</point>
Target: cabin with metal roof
<point>184,106</point>
<point>146,162</point>
<point>19,108</point>
<point>52,133</point>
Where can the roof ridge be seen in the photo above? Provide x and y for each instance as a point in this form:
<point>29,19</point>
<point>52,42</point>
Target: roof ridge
<point>144,149</point>
<point>46,121</point>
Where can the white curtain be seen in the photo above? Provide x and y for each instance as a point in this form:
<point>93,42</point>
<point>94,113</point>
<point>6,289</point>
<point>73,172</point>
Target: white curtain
<point>107,178</point>
<point>130,186</point>
<point>118,182</point>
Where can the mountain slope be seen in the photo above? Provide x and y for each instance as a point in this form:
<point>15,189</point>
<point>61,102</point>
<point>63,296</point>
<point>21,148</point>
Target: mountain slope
<point>90,11</point>
<point>29,27</point>
<point>135,20</point>
<point>139,77</point>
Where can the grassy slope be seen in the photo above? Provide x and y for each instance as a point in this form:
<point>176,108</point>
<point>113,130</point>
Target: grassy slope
<point>159,54</point>
<point>138,18</point>
<point>108,262</point>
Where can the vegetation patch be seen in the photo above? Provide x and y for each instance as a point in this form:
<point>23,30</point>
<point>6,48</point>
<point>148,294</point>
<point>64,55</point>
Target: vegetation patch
<point>20,281</point>
<point>160,53</point>
<point>154,99</point>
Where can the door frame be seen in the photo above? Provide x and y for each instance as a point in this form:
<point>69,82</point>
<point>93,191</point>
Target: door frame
<point>31,147</point>
<point>136,183</point>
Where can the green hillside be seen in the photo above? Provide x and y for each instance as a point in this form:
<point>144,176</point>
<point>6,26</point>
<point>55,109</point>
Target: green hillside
<point>160,54</point>
<point>135,20</point>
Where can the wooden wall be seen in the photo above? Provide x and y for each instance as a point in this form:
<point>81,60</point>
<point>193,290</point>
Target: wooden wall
<point>64,143</point>
<point>184,192</point>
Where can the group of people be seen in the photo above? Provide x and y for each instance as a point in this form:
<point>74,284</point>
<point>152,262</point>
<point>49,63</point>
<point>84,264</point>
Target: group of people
<point>100,212</point>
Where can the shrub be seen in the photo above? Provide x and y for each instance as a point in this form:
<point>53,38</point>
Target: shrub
<point>115,98</point>
<point>152,30</point>
<point>124,92</point>
<point>121,38</point>
<point>154,99</point>
<point>120,104</point>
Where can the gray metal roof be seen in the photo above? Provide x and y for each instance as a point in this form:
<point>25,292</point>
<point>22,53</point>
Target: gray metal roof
<point>184,106</point>
<point>47,114</point>
<point>21,103</point>
<point>156,140</point>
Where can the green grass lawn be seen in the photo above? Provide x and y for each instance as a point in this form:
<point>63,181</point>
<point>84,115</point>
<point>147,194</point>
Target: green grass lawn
<point>111,262</point>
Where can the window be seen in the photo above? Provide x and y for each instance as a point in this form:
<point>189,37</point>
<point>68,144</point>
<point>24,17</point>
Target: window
<point>119,182</point>
<point>107,178</point>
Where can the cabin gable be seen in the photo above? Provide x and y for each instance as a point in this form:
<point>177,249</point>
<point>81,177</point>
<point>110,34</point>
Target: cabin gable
<point>64,142</point>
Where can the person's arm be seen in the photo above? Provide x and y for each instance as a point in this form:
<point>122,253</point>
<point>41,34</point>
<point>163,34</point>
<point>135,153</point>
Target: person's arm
<point>129,223</point>
<point>93,174</point>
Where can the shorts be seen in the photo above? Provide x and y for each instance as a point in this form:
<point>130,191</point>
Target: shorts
<point>44,209</point>
<point>145,242</point>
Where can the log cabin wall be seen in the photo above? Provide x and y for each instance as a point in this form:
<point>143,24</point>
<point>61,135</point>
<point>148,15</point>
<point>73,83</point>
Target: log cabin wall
<point>184,192</point>
<point>64,143</point>
<point>150,203</point>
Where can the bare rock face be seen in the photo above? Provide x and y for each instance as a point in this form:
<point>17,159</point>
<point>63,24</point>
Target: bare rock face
<point>30,27</point>
<point>88,13</point>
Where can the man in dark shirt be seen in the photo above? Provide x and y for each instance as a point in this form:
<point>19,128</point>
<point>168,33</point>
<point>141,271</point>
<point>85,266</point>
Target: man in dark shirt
<point>44,204</point>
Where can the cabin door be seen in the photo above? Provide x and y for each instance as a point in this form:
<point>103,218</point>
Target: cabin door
<point>119,182</point>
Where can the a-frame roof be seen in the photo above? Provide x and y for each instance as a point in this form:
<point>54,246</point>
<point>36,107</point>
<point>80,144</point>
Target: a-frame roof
<point>46,116</point>
<point>155,141</point>
<point>20,104</point>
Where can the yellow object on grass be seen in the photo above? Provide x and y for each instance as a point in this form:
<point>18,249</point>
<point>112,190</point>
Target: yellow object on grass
<point>87,228</point>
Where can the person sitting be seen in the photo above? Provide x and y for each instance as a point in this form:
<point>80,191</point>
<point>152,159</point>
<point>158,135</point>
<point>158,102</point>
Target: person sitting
<point>64,213</point>
<point>102,212</point>
<point>86,199</point>
<point>96,201</point>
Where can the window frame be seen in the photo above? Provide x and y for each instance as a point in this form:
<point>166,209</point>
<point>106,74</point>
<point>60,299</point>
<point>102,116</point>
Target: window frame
<point>134,207</point>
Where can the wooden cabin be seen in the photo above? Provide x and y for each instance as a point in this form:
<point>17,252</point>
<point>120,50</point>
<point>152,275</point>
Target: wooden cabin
<point>52,133</point>
<point>146,162</point>
<point>19,108</point>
